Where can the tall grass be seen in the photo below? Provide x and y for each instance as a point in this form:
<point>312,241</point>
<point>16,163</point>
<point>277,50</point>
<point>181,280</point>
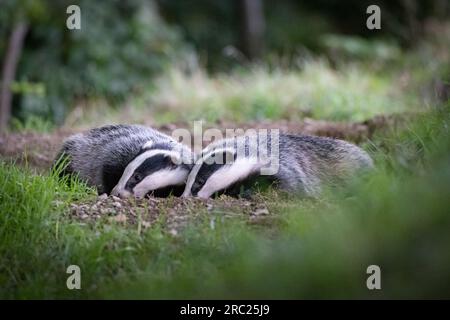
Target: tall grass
<point>311,88</point>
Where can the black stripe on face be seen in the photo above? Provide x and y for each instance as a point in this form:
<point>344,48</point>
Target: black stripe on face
<point>207,170</point>
<point>149,166</point>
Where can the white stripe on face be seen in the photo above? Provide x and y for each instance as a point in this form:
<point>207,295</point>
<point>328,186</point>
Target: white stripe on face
<point>148,145</point>
<point>191,178</point>
<point>133,165</point>
<point>160,179</point>
<point>227,175</point>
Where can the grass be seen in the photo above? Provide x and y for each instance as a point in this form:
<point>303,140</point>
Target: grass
<point>313,89</point>
<point>397,218</point>
<point>308,88</point>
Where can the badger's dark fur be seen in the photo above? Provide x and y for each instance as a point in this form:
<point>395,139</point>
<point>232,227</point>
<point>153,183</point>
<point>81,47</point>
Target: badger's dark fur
<point>101,155</point>
<point>305,164</point>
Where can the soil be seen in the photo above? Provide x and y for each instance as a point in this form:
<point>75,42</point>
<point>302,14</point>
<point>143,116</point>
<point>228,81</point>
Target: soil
<point>172,213</point>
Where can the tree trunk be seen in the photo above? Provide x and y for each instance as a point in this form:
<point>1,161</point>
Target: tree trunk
<point>11,59</point>
<point>411,8</point>
<point>252,28</point>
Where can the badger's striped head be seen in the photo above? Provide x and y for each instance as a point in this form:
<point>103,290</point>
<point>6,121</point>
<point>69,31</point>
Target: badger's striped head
<point>218,171</point>
<point>154,170</point>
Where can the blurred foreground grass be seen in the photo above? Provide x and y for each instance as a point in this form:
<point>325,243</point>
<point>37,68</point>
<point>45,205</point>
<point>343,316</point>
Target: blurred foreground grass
<point>398,219</point>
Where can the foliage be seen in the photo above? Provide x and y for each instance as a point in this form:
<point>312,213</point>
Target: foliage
<point>119,47</point>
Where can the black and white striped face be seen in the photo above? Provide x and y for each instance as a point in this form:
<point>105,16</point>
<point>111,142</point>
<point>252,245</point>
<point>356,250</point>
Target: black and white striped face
<point>153,171</point>
<point>209,176</point>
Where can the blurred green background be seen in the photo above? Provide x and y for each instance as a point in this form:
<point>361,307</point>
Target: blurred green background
<point>124,45</point>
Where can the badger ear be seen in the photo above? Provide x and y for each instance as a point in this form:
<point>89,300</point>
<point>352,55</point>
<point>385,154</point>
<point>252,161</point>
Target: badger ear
<point>147,145</point>
<point>175,158</point>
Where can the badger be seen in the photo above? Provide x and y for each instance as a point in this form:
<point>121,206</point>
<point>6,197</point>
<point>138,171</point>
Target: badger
<point>303,164</point>
<point>125,160</point>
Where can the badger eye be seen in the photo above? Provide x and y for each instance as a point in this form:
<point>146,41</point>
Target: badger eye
<point>137,177</point>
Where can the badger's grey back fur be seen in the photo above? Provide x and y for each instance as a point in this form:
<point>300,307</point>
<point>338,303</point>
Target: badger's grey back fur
<point>306,163</point>
<point>99,156</point>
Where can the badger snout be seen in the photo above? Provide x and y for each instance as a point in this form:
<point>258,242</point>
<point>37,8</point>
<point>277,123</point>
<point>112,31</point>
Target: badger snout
<point>120,193</point>
<point>186,193</point>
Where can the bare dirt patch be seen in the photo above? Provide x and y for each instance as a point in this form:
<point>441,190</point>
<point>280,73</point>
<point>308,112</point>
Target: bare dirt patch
<point>172,213</point>
<point>37,150</point>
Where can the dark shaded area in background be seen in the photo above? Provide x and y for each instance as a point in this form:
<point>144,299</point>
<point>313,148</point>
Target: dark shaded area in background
<point>291,25</point>
<point>123,44</point>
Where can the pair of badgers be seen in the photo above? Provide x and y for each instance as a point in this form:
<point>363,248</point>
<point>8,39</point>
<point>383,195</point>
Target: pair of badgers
<point>133,160</point>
